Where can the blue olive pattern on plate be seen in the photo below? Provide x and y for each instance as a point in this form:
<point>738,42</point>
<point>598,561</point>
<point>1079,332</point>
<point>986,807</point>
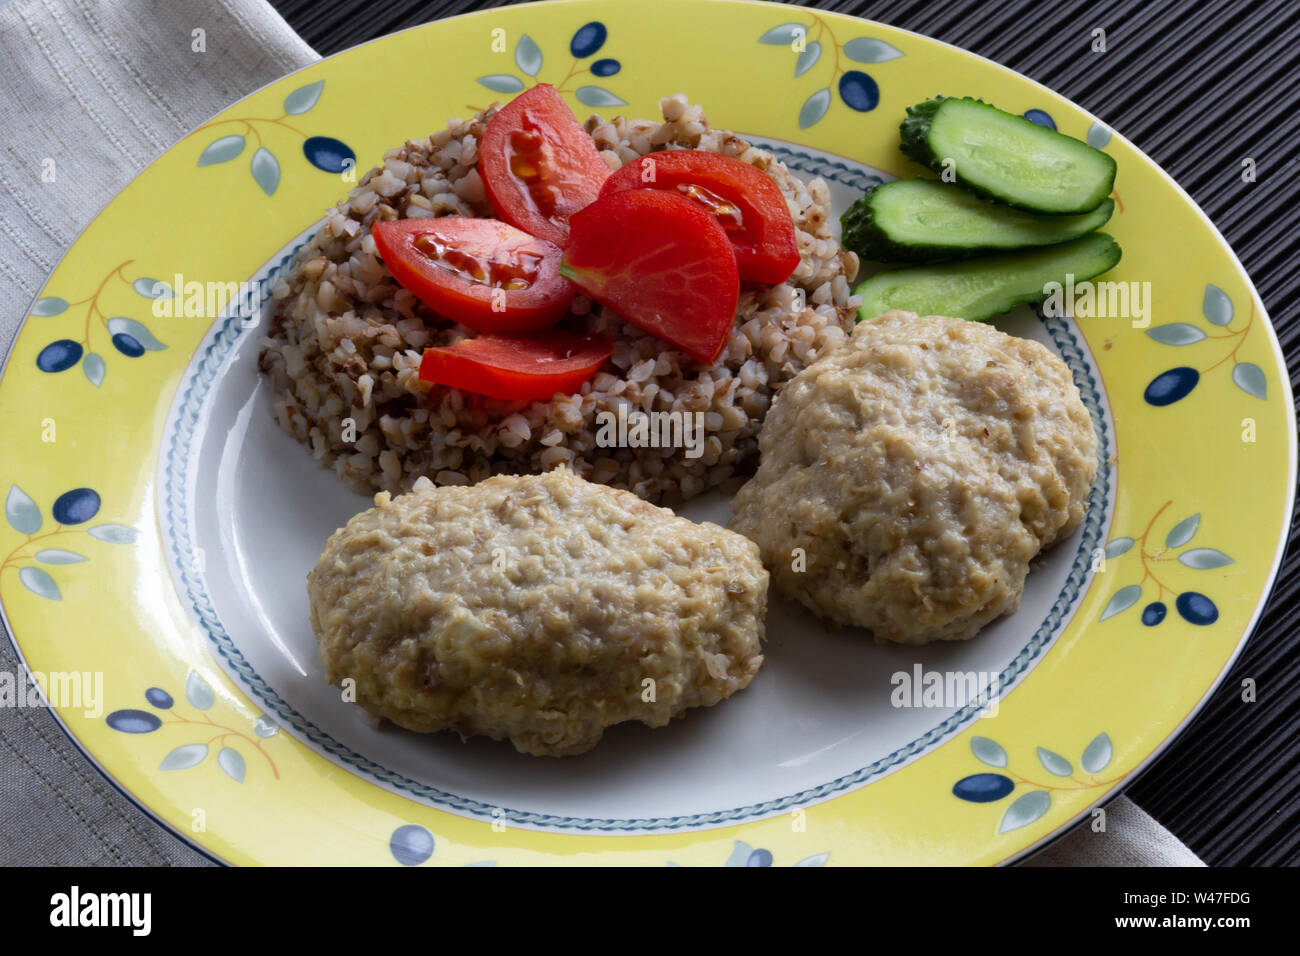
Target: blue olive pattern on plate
<point>1175,384</point>
<point>818,52</point>
<point>528,59</point>
<point>1098,135</point>
<point>1192,606</point>
<point>326,153</point>
<point>207,736</point>
<point>70,510</point>
<point>742,854</point>
<point>412,845</point>
<point>1040,118</point>
<point>1035,798</point>
<point>98,329</point>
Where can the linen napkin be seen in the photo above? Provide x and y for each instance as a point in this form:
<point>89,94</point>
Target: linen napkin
<point>95,91</point>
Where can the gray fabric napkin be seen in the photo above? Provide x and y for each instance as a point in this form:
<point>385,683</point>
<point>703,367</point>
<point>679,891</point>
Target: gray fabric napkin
<point>1132,838</point>
<point>102,89</point>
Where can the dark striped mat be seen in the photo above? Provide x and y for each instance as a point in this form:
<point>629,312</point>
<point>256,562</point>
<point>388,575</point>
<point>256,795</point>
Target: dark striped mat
<point>1199,86</point>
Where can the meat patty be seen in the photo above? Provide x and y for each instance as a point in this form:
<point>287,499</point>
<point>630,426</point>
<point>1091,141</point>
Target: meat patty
<point>907,479</point>
<point>537,608</point>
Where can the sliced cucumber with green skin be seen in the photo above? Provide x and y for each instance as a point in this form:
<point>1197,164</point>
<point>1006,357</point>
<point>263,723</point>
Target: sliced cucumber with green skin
<point>921,220</point>
<point>1006,157</point>
<point>979,289</point>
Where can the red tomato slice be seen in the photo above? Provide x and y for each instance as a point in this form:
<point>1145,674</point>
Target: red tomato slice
<point>538,165</point>
<point>744,200</point>
<point>524,366</point>
<point>482,273</point>
<point>662,262</point>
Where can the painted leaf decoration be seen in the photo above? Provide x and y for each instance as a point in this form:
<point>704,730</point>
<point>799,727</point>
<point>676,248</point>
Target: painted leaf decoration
<point>50,305</point>
<point>1025,810</point>
<point>1122,600</point>
<point>1183,532</point>
<point>1249,377</point>
<point>59,556</point>
<point>1118,546</point>
<point>808,58</point>
<point>528,55</point>
<point>1176,333</point>
<point>1096,756</point>
<point>818,860</point>
<point>114,533</point>
<point>265,727</point>
<point>184,757</point>
<point>783,35</point>
<point>1202,559</point>
<point>266,170</point>
<point>152,288</point>
<point>597,96</point>
<point>870,50</point>
<point>229,760</point>
<point>197,692</point>
<point>814,108</point>
<point>1054,763</point>
<point>94,368</point>
<point>303,98</point>
<point>1216,306</point>
<point>988,751</point>
<point>739,854</point>
<point>502,82</point>
<point>136,330</point>
<point>1098,135</point>
<point>21,512</point>
<point>222,150</point>
<point>39,583</point>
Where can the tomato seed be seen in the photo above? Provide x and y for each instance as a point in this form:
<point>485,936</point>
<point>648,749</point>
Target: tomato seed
<point>532,161</point>
<point>514,272</point>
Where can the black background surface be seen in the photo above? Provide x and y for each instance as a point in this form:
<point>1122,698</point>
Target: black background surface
<point>1198,86</point>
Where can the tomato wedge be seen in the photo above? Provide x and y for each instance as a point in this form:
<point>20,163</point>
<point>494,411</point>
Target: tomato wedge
<point>524,366</point>
<point>662,262</point>
<point>744,200</point>
<point>538,165</point>
<point>482,273</point>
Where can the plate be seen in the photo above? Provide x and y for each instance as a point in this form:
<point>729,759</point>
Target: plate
<point>159,525</point>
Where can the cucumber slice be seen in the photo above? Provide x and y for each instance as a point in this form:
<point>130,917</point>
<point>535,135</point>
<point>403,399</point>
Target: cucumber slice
<point>979,289</point>
<point>917,220</point>
<point>1005,157</point>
